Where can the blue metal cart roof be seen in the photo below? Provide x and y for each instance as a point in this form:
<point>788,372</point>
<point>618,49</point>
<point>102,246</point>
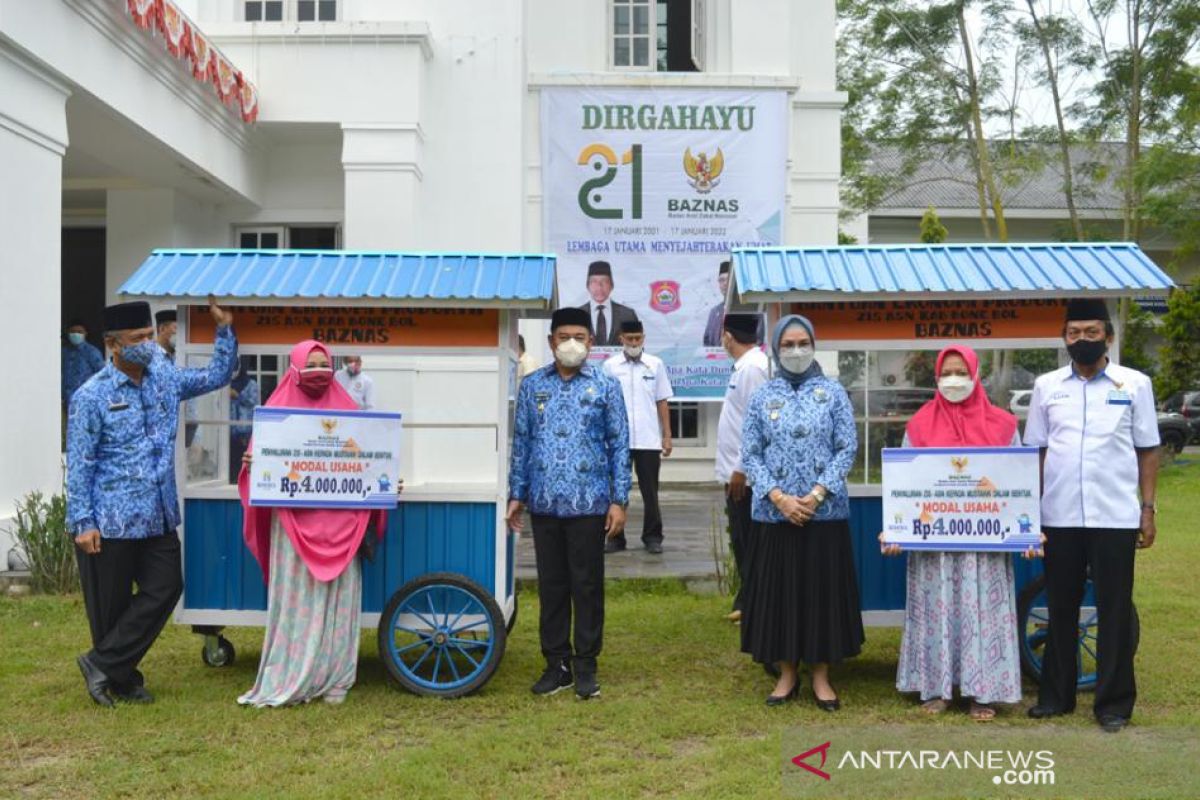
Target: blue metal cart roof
<point>878,272</point>
<point>346,278</point>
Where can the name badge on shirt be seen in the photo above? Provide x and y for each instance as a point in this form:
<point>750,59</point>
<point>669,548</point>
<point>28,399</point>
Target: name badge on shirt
<point>118,406</point>
<point>1119,397</point>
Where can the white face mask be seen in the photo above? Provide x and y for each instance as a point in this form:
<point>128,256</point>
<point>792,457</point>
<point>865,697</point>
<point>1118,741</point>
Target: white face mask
<point>171,341</point>
<point>633,352</point>
<point>956,388</point>
<point>796,359</point>
<point>571,353</point>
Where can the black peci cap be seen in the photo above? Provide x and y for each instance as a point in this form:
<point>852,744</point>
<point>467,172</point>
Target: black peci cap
<point>128,316</point>
<point>1086,308</point>
<point>600,268</point>
<point>165,316</point>
<point>570,316</point>
<point>724,268</point>
<point>742,323</point>
<point>632,326</point>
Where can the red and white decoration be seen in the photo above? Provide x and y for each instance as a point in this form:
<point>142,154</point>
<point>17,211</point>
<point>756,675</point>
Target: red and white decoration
<point>184,41</point>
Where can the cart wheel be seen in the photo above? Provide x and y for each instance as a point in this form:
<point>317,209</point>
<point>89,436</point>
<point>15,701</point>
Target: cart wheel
<point>1033,620</point>
<point>441,635</point>
<point>512,621</point>
<point>217,651</point>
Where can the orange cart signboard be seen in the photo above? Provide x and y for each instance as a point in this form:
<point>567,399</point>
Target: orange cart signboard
<point>355,327</point>
<point>936,319</point>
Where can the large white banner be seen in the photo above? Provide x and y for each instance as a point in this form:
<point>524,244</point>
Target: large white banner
<point>659,185</point>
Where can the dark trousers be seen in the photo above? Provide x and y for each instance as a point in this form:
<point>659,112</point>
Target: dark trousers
<point>124,624</point>
<point>570,567</point>
<point>742,533</point>
<point>1109,554</point>
<point>646,464</point>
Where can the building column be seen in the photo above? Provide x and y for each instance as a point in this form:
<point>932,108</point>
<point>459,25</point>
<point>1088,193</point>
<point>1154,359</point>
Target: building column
<point>33,139</point>
<point>382,166</point>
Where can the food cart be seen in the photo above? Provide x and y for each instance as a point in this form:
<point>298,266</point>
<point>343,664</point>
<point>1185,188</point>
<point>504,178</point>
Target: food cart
<point>881,314</point>
<point>438,335</point>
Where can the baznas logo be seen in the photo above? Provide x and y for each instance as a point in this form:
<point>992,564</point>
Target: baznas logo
<point>664,296</point>
<point>701,171</point>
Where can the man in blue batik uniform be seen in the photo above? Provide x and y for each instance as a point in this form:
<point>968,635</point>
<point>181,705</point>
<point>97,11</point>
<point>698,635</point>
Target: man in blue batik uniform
<point>80,360</point>
<point>570,467</point>
<point>122,504</point>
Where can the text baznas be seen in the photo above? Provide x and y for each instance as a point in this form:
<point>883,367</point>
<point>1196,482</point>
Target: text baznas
<point>668,117</point>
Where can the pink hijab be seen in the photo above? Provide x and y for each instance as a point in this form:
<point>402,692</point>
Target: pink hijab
<point>326,540</point>
<point>973,422</point>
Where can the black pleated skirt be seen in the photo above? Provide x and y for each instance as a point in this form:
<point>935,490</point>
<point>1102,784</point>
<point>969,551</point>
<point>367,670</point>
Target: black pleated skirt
<point>801,601</point>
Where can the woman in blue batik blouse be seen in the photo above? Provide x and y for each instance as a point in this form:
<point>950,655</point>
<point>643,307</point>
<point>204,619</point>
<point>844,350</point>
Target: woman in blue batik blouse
<point>798,443</point>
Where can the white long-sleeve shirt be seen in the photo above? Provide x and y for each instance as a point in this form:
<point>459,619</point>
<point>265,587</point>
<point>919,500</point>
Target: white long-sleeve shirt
<point>359,386</point>
<point>749,373</point>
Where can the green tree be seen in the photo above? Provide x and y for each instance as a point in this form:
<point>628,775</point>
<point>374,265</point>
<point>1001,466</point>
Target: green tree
<point>1135,341</point>
<point>918,81</point>
<point>1180,353</point>
<point>932,229</point>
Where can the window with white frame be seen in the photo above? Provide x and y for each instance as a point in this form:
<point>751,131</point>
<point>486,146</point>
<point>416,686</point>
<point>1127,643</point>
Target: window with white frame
<point>297,10</point>
<point>260,238</point>
<point>316,10</point>
<point>657,35</point>
<point>295,237</point>
<point>264,10</point>
<point>685,422</point>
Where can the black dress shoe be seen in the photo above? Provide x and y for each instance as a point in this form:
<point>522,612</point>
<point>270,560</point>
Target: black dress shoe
<point>1111,723</point>
<point>613,546</point>
<point>778,700</point>
<point>654,548</point>
<point>97,682</point>
<point>133,694</point>
<point>828,705</point>
<point>1045,712</point>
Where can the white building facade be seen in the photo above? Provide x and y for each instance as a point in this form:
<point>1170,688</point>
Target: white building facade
<point>382,124</point>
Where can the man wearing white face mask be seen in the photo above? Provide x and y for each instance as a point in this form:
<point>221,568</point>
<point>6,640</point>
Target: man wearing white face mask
<point>570,467</point>
<point>646,389</point>
<point>357,383</point>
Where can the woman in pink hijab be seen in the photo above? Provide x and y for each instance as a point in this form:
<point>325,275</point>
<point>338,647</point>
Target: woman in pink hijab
<point>314,581</point>
<point>960,616</point>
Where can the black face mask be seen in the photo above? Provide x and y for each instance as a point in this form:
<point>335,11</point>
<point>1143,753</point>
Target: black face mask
<point>1087,352</point>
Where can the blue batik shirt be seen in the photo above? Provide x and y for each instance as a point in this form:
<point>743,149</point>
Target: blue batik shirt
<point>570,452</point>
<point>796,437</point>
<point>78,364</point>
<point>121,443</point>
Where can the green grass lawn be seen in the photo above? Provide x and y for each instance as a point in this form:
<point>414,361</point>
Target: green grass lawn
<point>681,714</point>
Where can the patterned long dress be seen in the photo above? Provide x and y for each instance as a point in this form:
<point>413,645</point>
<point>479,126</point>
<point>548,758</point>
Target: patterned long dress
<point>310,649</point>
<point>960,626</point>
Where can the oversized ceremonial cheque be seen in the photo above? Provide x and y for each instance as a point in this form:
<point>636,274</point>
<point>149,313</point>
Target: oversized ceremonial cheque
<point>961,498</point>
<point>305,458</point>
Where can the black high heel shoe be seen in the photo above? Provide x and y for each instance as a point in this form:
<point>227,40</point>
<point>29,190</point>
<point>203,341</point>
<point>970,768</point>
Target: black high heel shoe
<point>828,705</point>
<point>778,700</point>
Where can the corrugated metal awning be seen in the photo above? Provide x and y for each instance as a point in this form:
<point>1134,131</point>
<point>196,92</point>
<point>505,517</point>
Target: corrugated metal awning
<point>345,278</point>
<point>897,272</point>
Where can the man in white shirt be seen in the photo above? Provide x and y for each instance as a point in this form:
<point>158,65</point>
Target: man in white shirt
<point>1096,425</point>
<point>525,362</point>
<point>646,388</point>
<point>750,371</point>
<point>357,383</point>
